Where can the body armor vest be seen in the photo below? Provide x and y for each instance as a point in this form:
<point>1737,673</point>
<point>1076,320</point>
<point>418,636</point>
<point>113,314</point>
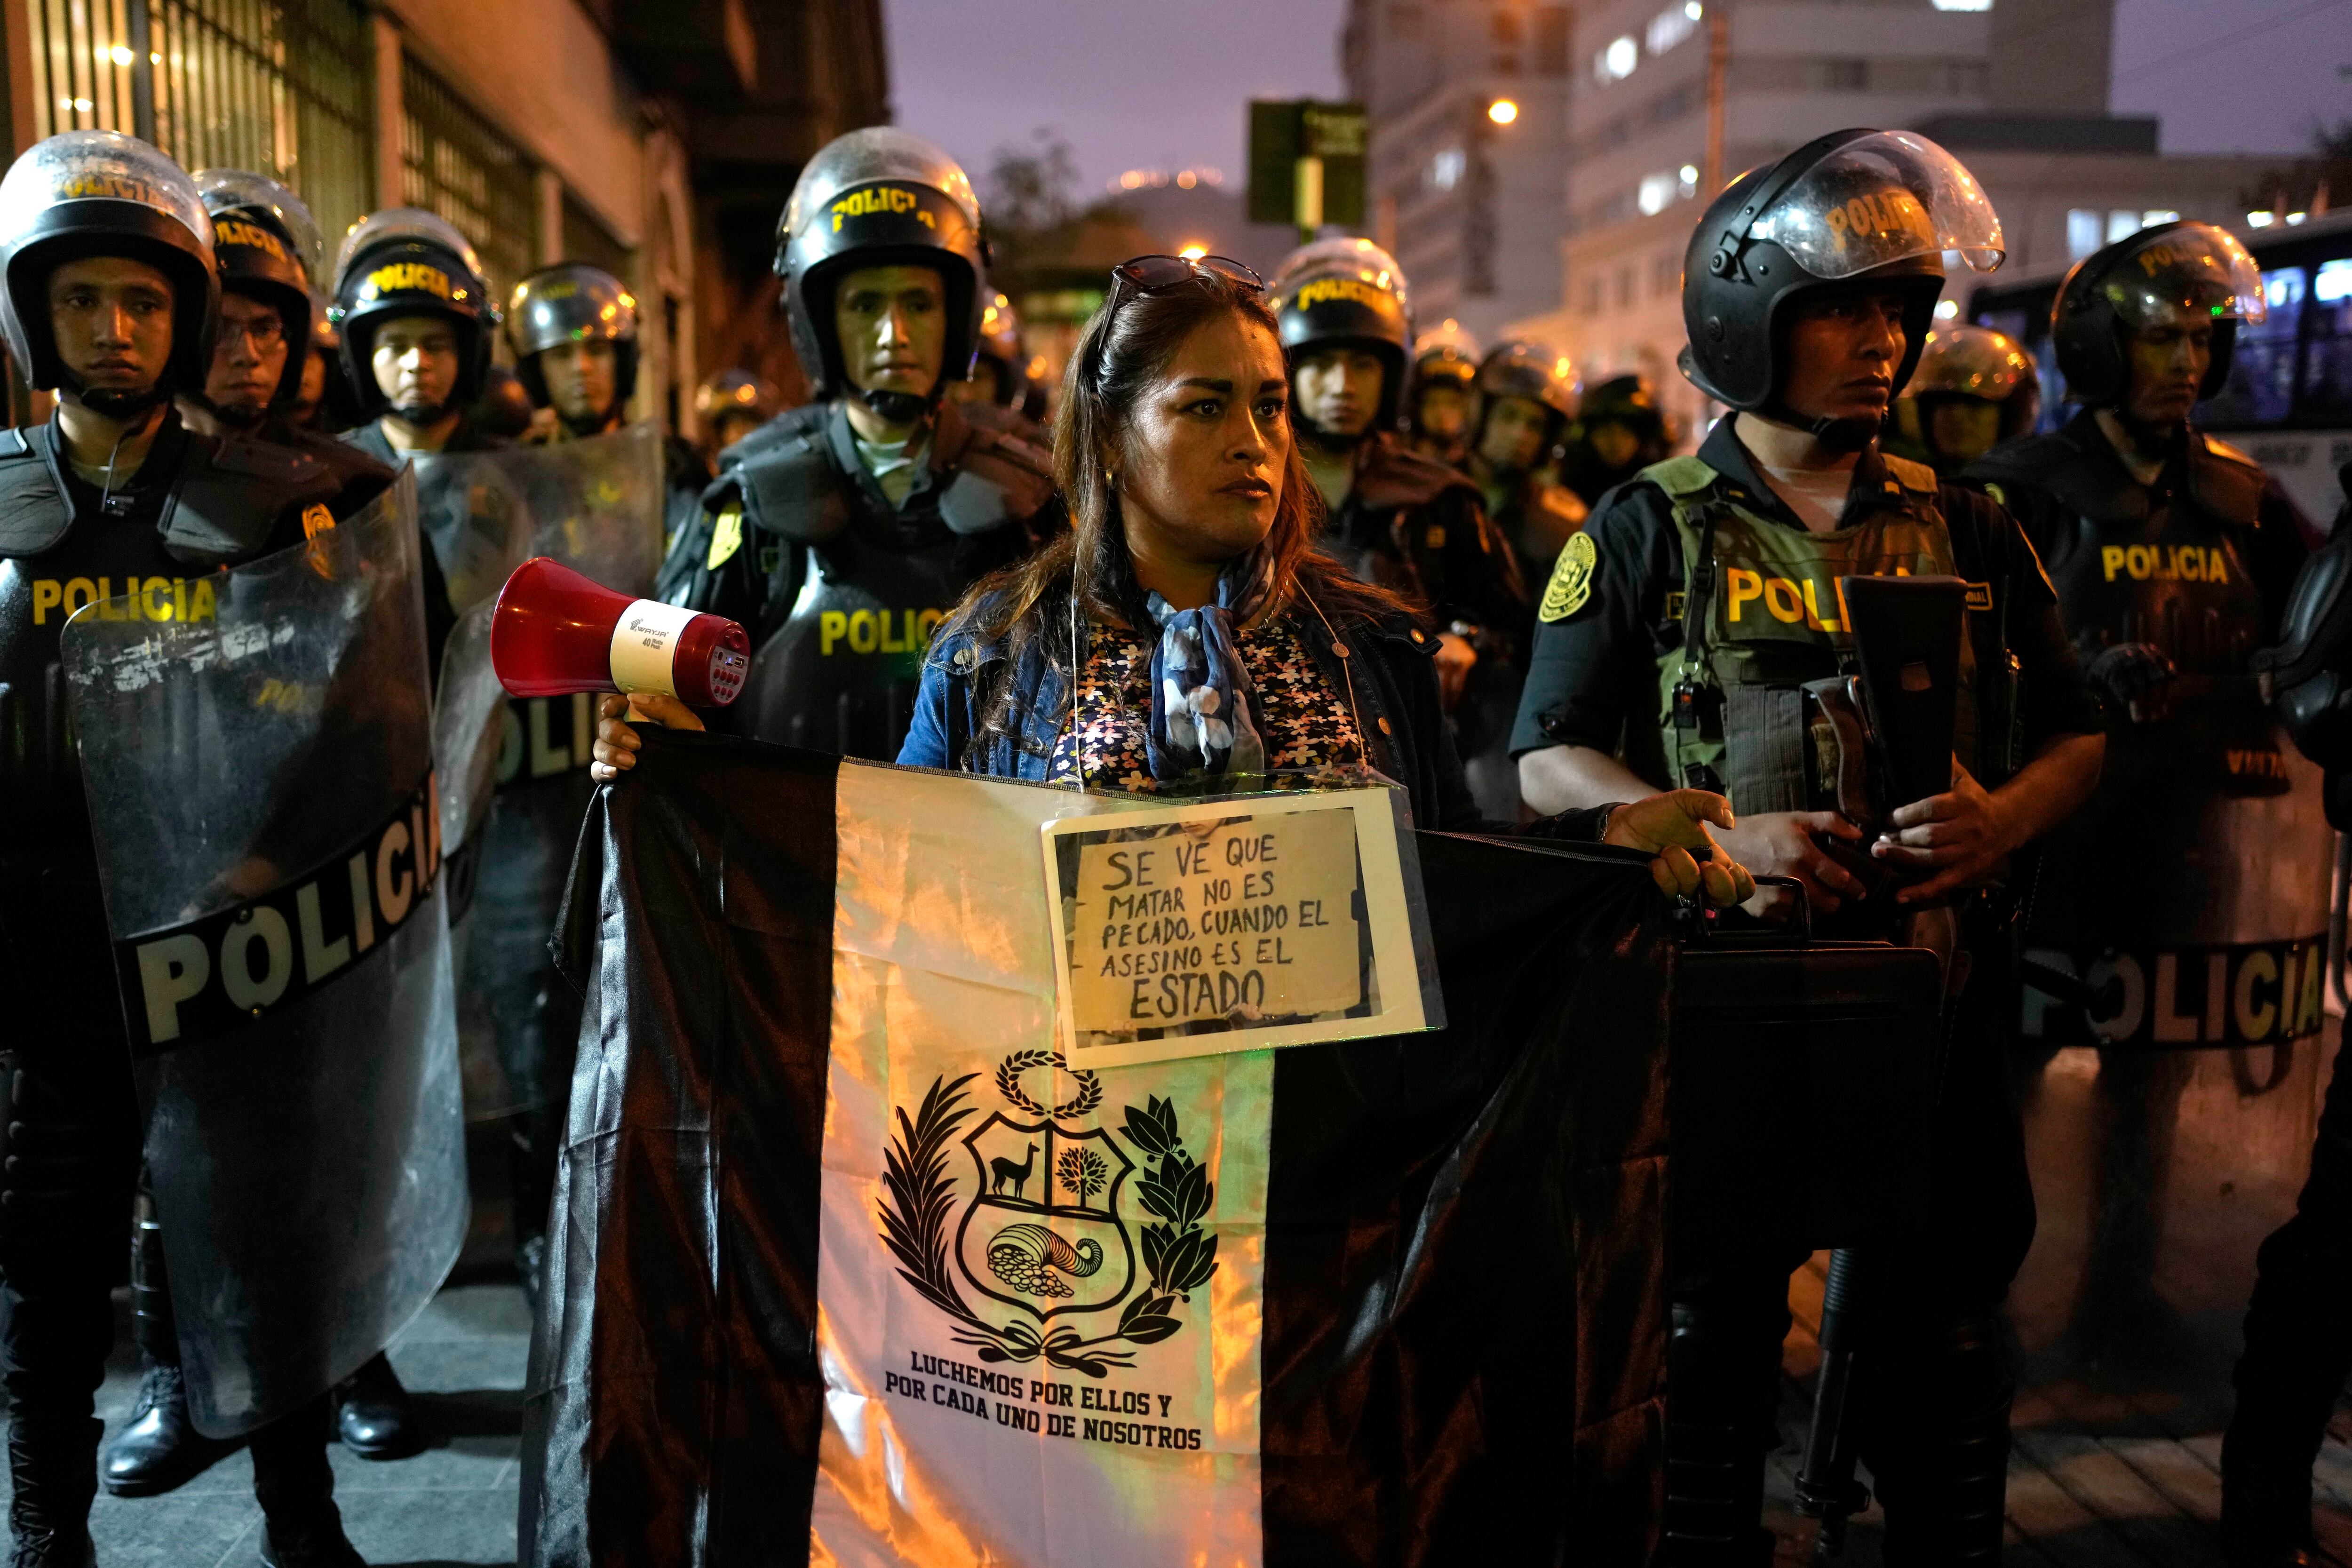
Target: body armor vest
<point>1762,618</point>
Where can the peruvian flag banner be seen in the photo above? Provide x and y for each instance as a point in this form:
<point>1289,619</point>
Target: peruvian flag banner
<point>860,1258</point>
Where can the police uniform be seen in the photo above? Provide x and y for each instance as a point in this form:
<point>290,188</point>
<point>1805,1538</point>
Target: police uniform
<point>1679,630</point>
<point>1532,509</point>
<point>840,585</point>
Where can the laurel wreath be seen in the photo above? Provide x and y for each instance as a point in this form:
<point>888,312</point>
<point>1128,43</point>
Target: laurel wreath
<point>920,1196</point>
<point>1009,1070</point>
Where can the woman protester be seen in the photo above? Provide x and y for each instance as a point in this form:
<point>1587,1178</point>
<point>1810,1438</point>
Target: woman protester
<point>1210,638</point>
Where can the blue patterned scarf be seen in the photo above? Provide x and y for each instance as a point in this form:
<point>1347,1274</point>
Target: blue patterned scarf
<point>1200,694</point>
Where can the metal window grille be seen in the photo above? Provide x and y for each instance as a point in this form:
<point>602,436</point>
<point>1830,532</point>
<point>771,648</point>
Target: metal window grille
<point>280,86</point>
<point>457,163</point>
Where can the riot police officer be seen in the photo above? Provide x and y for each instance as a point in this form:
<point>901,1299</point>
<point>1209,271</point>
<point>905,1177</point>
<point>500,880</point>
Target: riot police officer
<point>1527,396</point>
<point>109,294</point>
<point>1000,391</point>
<point>266,243</point>
<point>731,405</point>
<point>1444,392</point>
<point>2173,554</point>
<point>2298,1334</point>
<point>416,318</point>
<point>1619,431</point>
<point>573,329</point>
<point>1675,638</point>
<point>263,242</point>
<point>840,533</point>
<point>1975,389</point>
<point>1394,517</point>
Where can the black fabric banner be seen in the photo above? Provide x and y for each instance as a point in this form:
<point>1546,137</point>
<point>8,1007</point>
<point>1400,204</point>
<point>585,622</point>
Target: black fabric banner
<point>1464,1312</point>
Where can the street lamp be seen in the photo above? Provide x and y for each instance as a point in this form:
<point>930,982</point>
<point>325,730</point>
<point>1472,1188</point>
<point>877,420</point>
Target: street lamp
<point>1502,112</point>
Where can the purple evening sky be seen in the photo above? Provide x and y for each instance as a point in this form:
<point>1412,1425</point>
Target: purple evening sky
<point>1161,83</point>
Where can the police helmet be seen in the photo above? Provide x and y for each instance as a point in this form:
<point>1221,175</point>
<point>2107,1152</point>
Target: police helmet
<point>405,261</point>
<point>1521,367</point>
<point>2145,281</point>
<point>572,302</point>
<point>879,197</point>
<point>738,392</point>
<point>1960,361</point>
<point>1445,352</point>
<point>1882,204</point>
<point>1629,400</point>
<point>267,244</point>
<point>101,193</point>
<point>1000,347</point>
<point>1347,293</point>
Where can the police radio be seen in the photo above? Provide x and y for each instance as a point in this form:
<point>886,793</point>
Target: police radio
<point>555,631</point>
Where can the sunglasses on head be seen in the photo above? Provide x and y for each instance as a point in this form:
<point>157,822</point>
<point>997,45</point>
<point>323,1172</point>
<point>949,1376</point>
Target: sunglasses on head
<point>1158,274</point>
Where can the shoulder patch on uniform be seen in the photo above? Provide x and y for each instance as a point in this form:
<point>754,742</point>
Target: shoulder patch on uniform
<point>2221,448</point>
<point>726,536</point>
<point>1681,477</point>
<point>316,519</point>
<point>2000,497</point>
<point>1571,579</point>
<point>1911,476</point>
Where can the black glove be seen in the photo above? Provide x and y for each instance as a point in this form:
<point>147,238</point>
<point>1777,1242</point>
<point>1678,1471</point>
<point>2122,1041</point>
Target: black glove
<point>50,1155</point>
<point>2132,677</point>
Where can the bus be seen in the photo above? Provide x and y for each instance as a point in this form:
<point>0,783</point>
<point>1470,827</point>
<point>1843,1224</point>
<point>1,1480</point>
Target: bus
<point>2289,397</point>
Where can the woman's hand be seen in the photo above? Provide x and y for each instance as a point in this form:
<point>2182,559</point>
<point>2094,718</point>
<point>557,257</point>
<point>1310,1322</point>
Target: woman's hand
<point>1783,844</point>
<point>1667,827</point>
<point>1962,834</point>
<point>616,743</point>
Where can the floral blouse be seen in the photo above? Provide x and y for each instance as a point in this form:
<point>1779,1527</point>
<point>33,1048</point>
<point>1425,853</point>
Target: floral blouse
<point>1303,722</point>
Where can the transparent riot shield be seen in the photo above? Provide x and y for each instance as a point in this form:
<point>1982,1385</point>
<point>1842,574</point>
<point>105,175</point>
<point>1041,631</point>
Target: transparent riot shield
<point>597,506</point>
<point>260,777</point>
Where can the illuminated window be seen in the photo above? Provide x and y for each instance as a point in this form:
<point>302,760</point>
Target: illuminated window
<point>2082,232</point>
<point>2155,216</point>
<point>2334,282</point>
<point>1657,192</point>
<point>1446,169</point>
<point>2122,225</point>
<point>1963,5</point>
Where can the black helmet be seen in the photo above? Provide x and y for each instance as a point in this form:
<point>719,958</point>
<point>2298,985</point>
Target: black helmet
<point>1885,203</point>
<point>1960,361</point>
<point>405,261</point>
<point>1347,293</point>
<point>267,244</point>
<point>1629,400</point>
<point>1000,347</point>
<point>879,197</point>
<point>735,392</point>
<point>2142,281</point>
<point>1521,367</point>
<point>1445,352</point>
<point>572,302</point>
<point>101,193</point>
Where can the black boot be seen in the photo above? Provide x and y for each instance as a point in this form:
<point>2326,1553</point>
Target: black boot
<point>301,1527</point>
<point>160,1449</point>
<point>1722,1364</point>
<point>372,1414</point>
<point>1939,1440</point>
<point>53,1465</point>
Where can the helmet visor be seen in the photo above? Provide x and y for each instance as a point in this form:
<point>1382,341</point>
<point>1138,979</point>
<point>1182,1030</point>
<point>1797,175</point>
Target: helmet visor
<point>1890,196</point>
<point>99,166</point>
<point>1972,361</point>
<point>2194,270</point>
<point>396,226</point>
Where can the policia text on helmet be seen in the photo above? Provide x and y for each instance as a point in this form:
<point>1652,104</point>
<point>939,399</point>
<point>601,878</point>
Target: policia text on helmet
<point>266,243</point>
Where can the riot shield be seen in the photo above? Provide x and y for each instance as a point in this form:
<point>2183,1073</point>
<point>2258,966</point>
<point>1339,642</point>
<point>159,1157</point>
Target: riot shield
<point>261,779</point>
<point>597,506</point>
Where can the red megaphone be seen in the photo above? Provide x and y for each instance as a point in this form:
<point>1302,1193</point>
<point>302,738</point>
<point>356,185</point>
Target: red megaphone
<point>554,633</point>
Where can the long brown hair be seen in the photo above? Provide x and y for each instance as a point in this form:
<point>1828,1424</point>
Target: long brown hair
<point>1121,353</point>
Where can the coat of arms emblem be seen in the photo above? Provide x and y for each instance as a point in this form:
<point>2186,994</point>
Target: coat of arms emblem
<point>1035,1210</point>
